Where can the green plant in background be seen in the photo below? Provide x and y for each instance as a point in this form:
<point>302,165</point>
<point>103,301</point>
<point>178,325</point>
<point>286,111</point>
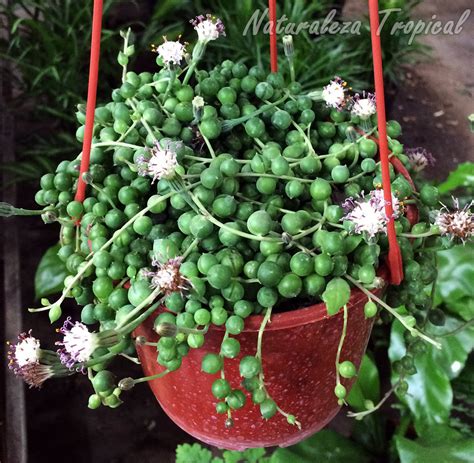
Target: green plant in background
<point>399,49</point>
<point>46,57</point>
<point>195,453</point>
<point>461,178</point>
<point>434,421</point>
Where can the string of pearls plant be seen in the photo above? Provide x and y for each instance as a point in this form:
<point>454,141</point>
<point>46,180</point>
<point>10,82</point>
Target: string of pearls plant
<point>220,194</point>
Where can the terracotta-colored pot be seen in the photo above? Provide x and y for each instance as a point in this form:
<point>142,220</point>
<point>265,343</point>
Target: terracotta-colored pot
<point>299,356</point>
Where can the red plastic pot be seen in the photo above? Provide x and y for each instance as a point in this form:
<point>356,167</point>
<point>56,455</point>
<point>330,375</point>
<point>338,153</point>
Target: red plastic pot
<point>299,356</point>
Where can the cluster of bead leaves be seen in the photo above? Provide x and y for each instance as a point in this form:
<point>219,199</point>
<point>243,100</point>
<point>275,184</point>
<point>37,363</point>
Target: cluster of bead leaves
<point>221,199</point>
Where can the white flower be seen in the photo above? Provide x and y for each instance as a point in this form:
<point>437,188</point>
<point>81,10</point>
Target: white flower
<point>165,277</point>
<point>171,52</point>
<point>365,106</point>
<point>288,46</point>
<point>458,223</point>
<point>163,162</point>
<point>142,165</point>
<point>78,343</point>
<point>368,216</point>
<point>334,93</point>
<point>168,277</point>
<point>27,351</point>
<point>24,361</point>
<point>198,102</point>
<point>208,27</point>
<point>198,108</point>
<point>420,158</point>
<point>35,374</point>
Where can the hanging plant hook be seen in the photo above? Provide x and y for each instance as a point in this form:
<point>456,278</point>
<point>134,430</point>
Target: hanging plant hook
<point>394,254</point>
<point>91,97</point>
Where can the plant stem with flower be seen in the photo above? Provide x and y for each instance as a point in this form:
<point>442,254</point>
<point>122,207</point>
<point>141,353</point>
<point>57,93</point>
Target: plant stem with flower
<point>289,53</point>
<point>126,52</point>
<point>79,343</point>
<point>208,28</point>
<point>31,363</point>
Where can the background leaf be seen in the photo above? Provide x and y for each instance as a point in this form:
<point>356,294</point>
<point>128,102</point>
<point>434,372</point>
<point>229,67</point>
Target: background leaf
<point>464,307</point>
<point>194,453</point>
<point>456,272</point>
<point>429,395</point>
<point>455,450</point>
<point>326,446</point>
<point>463,408</point>
<point>247,456</point>
<point>455,348</point>
<point>463,176</point>
<point>50,274</point>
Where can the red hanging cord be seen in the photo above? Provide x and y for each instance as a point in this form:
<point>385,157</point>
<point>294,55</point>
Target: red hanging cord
<point>91,97</point>
<point>394,255</point>
<point>273,35</point>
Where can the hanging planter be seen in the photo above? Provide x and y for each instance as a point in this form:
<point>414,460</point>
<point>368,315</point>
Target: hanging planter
<point>299,356</point>
<point>230,196</point>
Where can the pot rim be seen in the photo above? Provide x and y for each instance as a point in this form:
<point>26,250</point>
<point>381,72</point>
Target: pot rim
<point>299,317</point>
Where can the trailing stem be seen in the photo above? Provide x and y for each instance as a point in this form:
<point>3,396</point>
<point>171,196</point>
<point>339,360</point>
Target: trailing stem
<point>399,317</point>
<point>361,415</point>
<point>266,319</point>
<point>89,261</point>
<point>341,344</point>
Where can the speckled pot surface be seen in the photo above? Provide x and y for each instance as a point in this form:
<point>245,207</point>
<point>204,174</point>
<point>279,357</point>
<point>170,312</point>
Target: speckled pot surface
<point>299,355</point>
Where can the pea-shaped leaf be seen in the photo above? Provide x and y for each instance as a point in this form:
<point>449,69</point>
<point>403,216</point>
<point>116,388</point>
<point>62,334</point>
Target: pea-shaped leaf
<point>336,295</point>
<point>50,274</point>
<point>164,249</point>
<point>456,273</point>
<point>54,313</point>
<point>463,176</point>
